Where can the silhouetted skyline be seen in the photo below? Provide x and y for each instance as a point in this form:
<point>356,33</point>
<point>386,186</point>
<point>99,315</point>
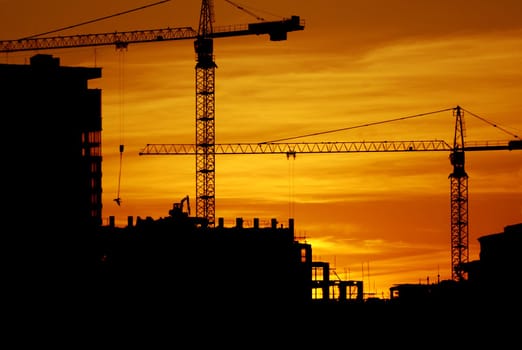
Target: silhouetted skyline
<point>383,218</point>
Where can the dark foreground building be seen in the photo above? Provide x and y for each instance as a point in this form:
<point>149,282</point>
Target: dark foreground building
<point>172,260</point>
<point>497,274</point>
<point>54,121</point>
<point>53,167</point>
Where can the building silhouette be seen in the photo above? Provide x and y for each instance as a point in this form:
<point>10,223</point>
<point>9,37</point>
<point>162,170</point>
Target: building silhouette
<point>496,275</point>
<point>55,119</point>
<point>172,258</point>
<point>53,166</point>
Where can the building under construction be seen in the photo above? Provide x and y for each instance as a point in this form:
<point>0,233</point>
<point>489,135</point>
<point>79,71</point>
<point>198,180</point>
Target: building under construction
<point>57,122</point>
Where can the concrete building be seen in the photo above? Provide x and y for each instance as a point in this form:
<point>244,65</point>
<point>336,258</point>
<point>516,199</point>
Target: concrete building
<point>52,171</point>
<point>54,122</point>
<point>173,260</point>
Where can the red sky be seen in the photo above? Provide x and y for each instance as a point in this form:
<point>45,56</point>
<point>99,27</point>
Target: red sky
<point>380,217</point>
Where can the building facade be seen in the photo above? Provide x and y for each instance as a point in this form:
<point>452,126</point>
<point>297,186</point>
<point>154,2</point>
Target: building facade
<point>55,123</point>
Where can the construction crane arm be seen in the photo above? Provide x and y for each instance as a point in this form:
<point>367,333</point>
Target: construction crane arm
<point>118,39</point>
<point>301,147</point>
<point>329,147</point>
<point>277,30</point>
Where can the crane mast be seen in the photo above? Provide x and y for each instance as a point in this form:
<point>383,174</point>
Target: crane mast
<point>458,201</point>
<point>205,116</point>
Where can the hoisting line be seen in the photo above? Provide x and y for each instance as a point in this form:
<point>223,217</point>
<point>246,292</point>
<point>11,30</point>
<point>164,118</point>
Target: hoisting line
<point>121,105</point>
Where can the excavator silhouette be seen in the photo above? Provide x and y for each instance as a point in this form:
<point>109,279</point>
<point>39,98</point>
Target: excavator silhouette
<point>177,208</point>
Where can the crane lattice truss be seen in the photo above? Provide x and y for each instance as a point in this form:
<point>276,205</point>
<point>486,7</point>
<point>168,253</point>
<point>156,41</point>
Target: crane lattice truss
<point>205,117</point>
<point>291,148</point>
<point>458,178</point>
<point>459,202</point>
<point>275,29</point>
<point>205,77</point>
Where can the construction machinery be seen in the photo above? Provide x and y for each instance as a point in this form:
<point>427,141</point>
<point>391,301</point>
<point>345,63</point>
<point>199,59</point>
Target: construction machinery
<point>205,77</point>
<point>458,177</point>
<point>177,208</point>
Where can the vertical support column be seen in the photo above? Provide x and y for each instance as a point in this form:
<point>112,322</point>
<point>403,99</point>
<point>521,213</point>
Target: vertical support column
<point>459,201</point>
<point>205,117</point>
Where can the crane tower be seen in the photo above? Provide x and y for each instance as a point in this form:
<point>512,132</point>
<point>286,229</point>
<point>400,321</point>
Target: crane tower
<point>458,201</point>
<point>205,116</point>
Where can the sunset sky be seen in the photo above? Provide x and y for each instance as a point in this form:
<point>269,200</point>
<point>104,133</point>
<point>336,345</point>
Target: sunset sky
<point>383,218</point>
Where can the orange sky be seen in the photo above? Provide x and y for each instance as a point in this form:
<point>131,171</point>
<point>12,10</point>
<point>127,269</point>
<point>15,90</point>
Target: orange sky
<point>380,217</point>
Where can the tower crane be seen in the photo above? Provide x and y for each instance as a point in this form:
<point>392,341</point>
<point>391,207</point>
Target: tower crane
<point>458,177</point>
<point>205,76</point>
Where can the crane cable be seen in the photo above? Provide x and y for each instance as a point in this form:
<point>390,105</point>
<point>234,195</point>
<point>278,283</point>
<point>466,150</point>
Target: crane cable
<point>121,57</point>
<point>391,120</point>
<point>94,20</point>
<point>245,10</point>
<point>291,185</point>
<point>357,126</point>
<point>242,8</point>
<point>495,125</point>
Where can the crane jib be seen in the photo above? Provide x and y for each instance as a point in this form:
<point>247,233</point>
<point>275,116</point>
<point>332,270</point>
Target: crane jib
<point>276,30</point>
